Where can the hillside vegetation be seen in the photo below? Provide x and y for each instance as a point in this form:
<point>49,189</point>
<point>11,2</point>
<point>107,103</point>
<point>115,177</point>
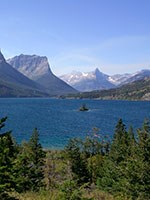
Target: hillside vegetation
<point>91,169</point>
<point>13,90</point>
<point>138,90</point>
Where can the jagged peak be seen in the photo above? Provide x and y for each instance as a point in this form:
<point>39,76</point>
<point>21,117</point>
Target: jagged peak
<point>2,59</point>
<point>100,74</point>
<point>97,70</point>
<point>21,56</point>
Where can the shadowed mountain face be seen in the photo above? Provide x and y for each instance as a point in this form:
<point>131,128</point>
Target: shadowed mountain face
<point>14,83</point>
<point>37,68</point>
<point>11,75</point>
<point>2,59</point>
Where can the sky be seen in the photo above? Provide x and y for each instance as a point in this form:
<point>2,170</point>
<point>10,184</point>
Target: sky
<point>79,35</point>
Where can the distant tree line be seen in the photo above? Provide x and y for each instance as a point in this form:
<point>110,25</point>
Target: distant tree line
<point>138,90</point>
<point>120,166</point>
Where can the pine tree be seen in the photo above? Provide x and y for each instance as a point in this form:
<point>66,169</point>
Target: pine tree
<point>8,150</point>
<point>120,144</point>
<point>78,163</point>
<point>28,166</point>
<point>144,141</point>
<point>113,175</point>
<point>143,154</point>
<point>22,169</point>
<point>37,157</point>
<point>135,169</point>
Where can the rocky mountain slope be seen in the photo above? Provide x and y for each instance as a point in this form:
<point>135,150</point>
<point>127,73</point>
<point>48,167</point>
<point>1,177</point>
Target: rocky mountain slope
<point>118,79</point>
<point>97,80</point>
<point>37,68</point>
<point>16,82</point>
<point>89,81</point>
<point>32,66</point>
<point>136,76</point>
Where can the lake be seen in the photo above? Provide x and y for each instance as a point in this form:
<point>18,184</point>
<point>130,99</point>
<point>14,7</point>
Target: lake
<point>58,120</point>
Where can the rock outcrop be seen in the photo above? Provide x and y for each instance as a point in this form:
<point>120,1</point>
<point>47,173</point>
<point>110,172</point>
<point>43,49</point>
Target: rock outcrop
<point>38,69</point>
<point>15,82</point>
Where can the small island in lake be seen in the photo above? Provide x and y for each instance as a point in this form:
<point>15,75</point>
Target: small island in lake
<point>83,108</point>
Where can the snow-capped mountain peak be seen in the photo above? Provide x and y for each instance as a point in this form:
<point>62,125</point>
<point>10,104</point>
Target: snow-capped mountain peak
<point>88,81</point>
<point>96,80</point>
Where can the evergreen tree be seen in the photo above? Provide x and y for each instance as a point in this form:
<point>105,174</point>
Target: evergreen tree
<point>95,148</point>
<point>120,144</point>
<point>113,175</point>
<point>22,169</point>
<point>8,150</point>
<point>135,169</point>
<point>144,141</point>
<point>143,155</point>
<point>126,169</point>
<point>78,164</point>
<point>28,166</point>
<point>37,157</point>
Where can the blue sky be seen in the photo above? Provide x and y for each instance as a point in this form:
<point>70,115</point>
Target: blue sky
<point>113,35</point>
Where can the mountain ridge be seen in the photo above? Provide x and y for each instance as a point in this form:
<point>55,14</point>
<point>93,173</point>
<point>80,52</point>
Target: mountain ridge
<point>23,64</point>
<point>137,90</point>
<point>33,72</point>
<point>13,83</point>
<point>11,75</point>
<point>38,69</point>
<point>80,80</point>
<point>88,81</point>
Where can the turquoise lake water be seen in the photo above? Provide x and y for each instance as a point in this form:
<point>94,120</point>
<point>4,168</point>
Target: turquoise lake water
<point>60,119</point>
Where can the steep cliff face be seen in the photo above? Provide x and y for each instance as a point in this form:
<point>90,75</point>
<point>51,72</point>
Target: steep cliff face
<point>38,69</point>
<point>31,66</point>
<point>9,74</point>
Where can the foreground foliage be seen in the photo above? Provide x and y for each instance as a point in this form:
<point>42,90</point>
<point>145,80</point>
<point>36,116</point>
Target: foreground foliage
<point>120,167</point>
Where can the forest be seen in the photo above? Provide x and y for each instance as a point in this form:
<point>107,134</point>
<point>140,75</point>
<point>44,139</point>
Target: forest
<point>93,168</point>
<point>137,90</point>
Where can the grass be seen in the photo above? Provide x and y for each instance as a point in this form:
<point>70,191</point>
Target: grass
<point>42,195</point>
<point>57,195</point>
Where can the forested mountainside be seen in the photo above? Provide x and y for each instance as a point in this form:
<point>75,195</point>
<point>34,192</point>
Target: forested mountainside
<point>138,90</point>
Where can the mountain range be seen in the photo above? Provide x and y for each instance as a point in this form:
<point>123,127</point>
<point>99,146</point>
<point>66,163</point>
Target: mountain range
<point>31,75</point>
<point>88,81</point>
<point>38,69</point>
<point>96,80</point>
<point>14,83</point>
<point>137,90</point>
<point>27,75</point>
